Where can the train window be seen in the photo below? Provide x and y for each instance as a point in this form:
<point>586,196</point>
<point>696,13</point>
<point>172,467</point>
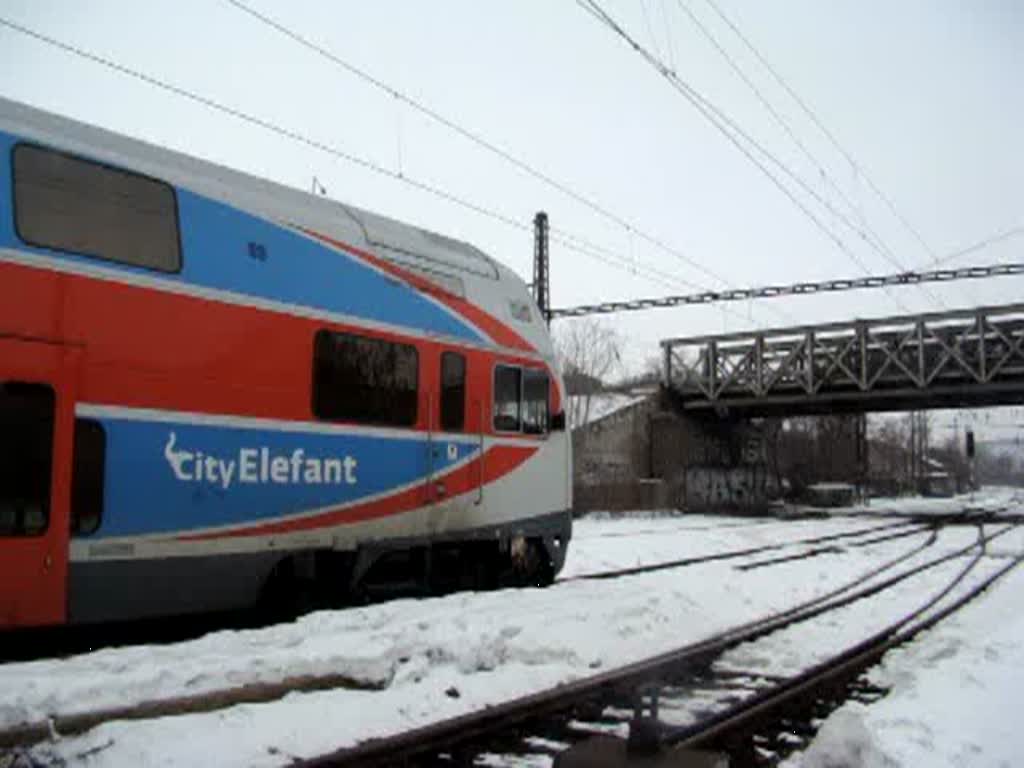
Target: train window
<point>453,392</point>
<point>26,457</point>
<point>365,380</point>
<point>87,476</point>
<point>70,204</point>
<point>535,402</point>
<point>507,398</point>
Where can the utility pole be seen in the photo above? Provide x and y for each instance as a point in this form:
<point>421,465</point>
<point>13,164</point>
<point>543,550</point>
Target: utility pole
<point>912,468</point>
<point>541,275</point>
<point>863,463</point>
<point>969,449</point>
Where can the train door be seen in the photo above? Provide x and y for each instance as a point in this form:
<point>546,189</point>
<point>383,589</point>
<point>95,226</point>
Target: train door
<point>36,427</point>
<point>454,478</point>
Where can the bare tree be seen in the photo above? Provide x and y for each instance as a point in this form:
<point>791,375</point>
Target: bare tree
<point>649,375</point>
<point>589,352</point>
<point>889,457</point>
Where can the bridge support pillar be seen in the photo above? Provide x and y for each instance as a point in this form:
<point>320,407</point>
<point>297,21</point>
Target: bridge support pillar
<point>710,464</point>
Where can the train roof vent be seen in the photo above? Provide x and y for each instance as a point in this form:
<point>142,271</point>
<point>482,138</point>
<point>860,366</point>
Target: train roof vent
<point>447,283</point>
<point>426,250</point>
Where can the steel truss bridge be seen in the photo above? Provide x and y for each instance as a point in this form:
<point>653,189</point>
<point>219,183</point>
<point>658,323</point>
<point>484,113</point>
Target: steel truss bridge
<point>958,358</point>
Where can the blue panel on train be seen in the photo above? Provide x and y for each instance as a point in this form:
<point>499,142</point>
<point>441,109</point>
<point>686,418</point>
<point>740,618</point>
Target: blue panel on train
<point>295,269</point>
<point>229,250</point>
<point>185,476</point>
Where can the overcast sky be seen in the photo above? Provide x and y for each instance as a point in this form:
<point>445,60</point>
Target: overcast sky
<point>927,96</point>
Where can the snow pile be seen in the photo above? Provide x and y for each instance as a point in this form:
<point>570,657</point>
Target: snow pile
<point>953,699</point>
<point>371,647</point>
<point>844,741</point>
<point>988,499</point>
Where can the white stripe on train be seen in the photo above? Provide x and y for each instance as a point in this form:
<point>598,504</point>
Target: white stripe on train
<point>70,265</point>
<point>163,416</point>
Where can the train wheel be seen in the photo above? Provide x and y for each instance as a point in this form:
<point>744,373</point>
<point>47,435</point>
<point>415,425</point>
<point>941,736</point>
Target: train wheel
<point>531,566</point>
<point>286,595</point>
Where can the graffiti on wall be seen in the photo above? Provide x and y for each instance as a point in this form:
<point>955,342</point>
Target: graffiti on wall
<point>709,488</point>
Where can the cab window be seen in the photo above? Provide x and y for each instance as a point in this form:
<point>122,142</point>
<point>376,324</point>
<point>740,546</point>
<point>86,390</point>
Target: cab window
<point>507,398</point>
<point>521,399</point>
<point>535,402</point>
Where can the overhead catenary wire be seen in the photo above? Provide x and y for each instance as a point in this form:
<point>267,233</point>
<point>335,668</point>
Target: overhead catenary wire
<point>573,242</point>
<point>734,133</point>
<point>812,115</point>
<point>567,239</point>
<point>668,33</point>
<point>796,289</point>
<point>869,235</point>
<point>985,242</point>
<point>476,138</point>
<point>937,275</point>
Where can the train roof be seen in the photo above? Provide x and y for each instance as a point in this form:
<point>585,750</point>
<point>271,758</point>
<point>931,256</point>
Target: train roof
<point>445,260</point>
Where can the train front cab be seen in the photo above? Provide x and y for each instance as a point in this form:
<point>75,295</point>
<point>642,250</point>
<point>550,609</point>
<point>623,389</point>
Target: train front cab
<point>37,424</point>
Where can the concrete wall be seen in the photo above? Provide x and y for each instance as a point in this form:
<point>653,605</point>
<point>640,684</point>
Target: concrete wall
<point>615,448</point>
<point>611,462</point>
<point>647,456</point>
<point>711,464</point>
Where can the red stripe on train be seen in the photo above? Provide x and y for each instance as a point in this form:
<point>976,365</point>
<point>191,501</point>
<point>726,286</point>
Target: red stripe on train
<point>497,330</point>
<point>498,461</point>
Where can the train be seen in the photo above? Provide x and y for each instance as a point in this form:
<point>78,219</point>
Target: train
<point>216,391</point>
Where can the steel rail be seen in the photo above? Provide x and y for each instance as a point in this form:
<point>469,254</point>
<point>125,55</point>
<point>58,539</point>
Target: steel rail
<point>447,735</point>
<point>727,726</point>
<point>977,272</point>
<point>738,553</point>
<point>384,751</point>
<point>27,734</point>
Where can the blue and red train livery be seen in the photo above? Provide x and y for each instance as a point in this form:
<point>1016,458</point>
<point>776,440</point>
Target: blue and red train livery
<point>214,388</point>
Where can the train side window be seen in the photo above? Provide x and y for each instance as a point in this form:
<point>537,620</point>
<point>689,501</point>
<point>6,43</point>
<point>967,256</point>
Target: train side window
<point>26,457</point>
<point>365,380</point>
<point>453,392</point>
<point>69,204</point>
<point>535,402</point>
<point>507,398</point>
<point>87,473</point>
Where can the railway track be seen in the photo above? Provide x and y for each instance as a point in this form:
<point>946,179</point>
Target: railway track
<point>35,645</point>
<point>544,725</point>
<point>736,729</point>
<point>620,685</point>
<point>909,528</point>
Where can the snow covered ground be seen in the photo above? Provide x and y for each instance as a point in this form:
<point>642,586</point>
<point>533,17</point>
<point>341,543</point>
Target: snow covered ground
<point>995,499</point>
<point>418,661</point>
<point>954,696</point>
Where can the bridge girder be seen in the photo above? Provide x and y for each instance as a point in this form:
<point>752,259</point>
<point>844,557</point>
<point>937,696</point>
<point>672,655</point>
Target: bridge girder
<point>957,358</point>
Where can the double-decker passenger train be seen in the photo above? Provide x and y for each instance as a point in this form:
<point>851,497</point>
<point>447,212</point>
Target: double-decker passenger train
<point>214,388</point>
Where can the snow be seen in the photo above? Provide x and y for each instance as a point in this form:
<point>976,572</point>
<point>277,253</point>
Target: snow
<point>420,661</point>
<point>953,698</point>
<point>604,404</point>
<point>803,645</point>
<point>845,740</point>
<point>831,487</point>
<point>988,499</point>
